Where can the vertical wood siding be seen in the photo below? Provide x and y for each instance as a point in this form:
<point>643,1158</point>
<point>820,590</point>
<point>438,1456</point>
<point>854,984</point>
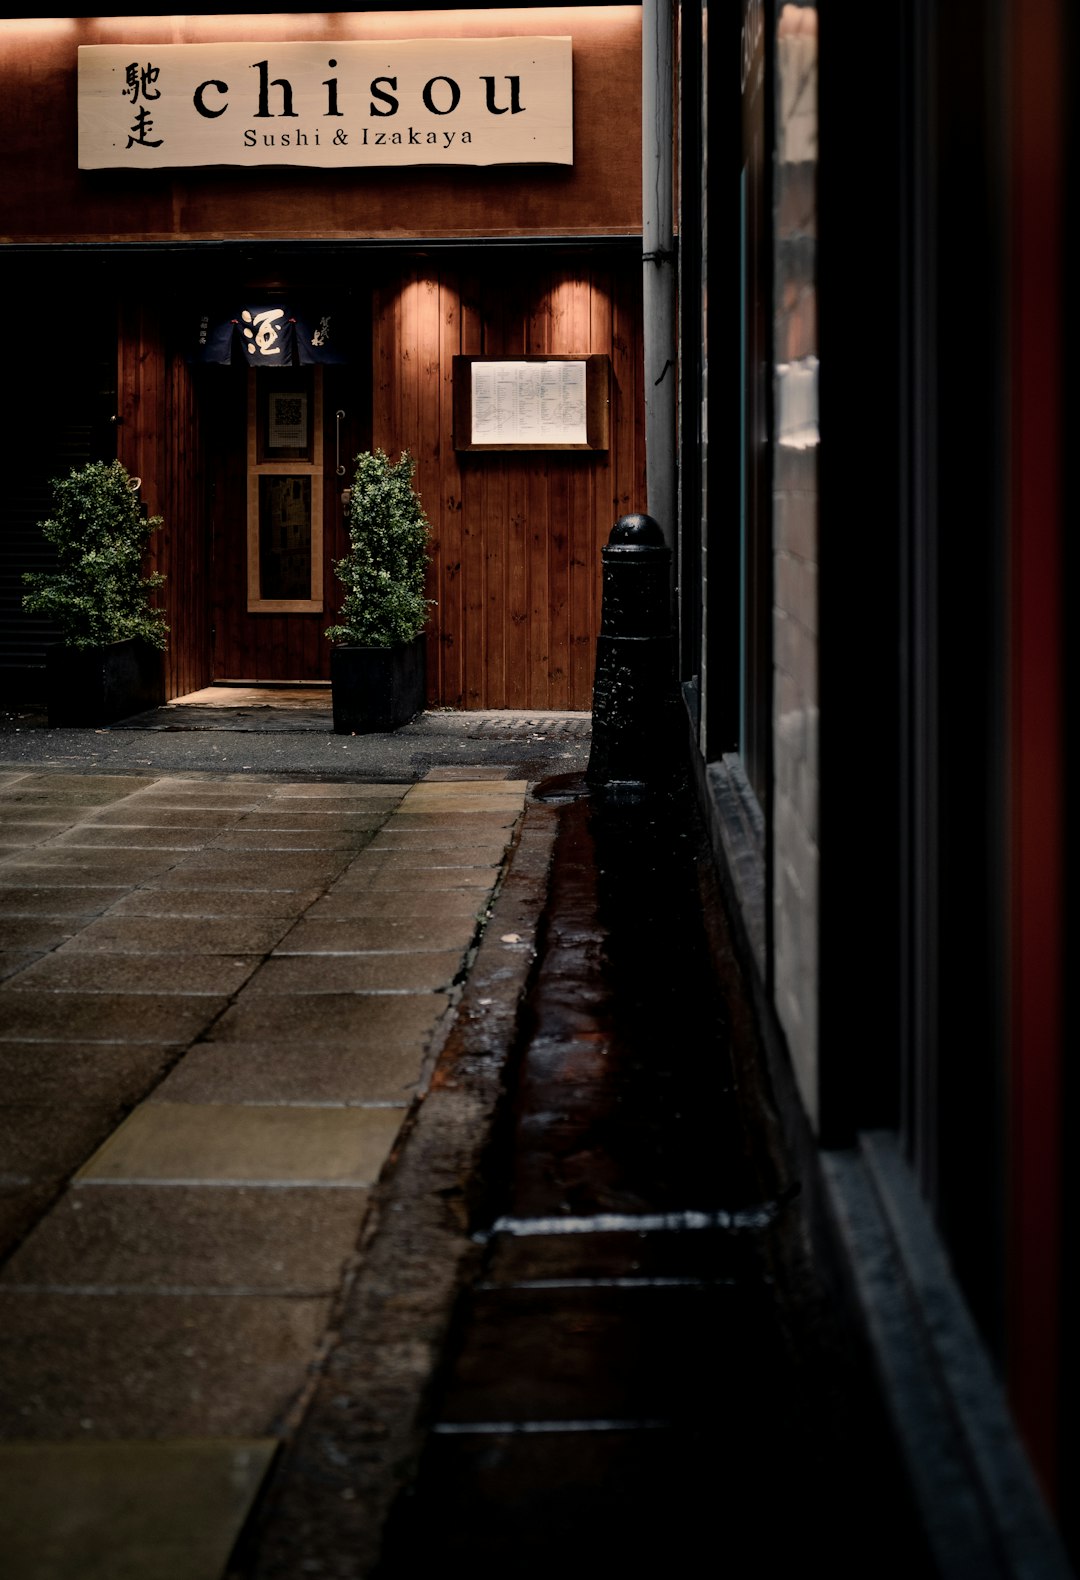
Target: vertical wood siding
<point>185,591</point>
<point>516,537</point>
<point>160,440</point>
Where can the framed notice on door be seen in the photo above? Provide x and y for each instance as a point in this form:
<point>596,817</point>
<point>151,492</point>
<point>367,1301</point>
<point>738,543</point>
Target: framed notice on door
<point>285,491</point>
<point>532,403</point>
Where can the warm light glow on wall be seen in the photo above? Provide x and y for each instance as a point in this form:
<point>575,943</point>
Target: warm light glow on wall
<point>322,24</point>
<point>52,25</point>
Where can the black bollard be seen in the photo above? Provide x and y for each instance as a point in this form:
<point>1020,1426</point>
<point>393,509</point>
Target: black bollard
<point>634,752</point>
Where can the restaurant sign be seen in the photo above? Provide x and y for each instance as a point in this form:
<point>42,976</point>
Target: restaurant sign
<point>481,101</point>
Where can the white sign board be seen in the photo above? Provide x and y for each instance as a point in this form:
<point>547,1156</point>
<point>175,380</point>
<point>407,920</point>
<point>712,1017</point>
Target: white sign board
<point>483,101</point>
<point>528,403</point>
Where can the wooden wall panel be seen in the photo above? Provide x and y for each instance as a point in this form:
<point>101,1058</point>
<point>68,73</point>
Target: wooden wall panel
<point>538,581</point>
<point>184,594</point>
<point>516,538</point>
<point>159,439</point>
<point>444,648</point>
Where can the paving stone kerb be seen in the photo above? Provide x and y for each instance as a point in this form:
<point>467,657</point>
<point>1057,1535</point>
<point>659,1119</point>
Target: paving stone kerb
<point>221,1003</point>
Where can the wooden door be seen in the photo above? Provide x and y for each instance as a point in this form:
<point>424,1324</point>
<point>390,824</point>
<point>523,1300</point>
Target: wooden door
<point>276,441</point>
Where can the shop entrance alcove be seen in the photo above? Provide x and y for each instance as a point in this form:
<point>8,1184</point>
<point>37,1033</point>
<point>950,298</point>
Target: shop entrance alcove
<point>235,458</point>
<point>278,437</point>
<point>516,533</point>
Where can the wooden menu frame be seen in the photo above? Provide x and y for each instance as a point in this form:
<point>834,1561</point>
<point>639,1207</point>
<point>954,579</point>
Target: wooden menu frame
<point>597,370</point>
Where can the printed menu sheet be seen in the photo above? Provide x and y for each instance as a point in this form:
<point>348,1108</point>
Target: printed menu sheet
<point>528,403</point>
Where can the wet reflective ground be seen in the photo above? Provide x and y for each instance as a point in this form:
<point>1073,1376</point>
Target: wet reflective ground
<point>646,1370</point>
<point>265,729</point>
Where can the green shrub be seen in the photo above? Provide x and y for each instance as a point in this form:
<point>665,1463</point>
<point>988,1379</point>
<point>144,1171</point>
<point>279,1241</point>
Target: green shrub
<point>383,572</point>
<point>97,594</point>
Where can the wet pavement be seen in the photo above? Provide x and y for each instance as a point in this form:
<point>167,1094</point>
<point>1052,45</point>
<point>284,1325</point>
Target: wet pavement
<point>270,729</point>
<point>391,1178</point>
<point>642,1370</point>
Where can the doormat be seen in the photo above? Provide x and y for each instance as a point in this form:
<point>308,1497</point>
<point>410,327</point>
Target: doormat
<point>540,726</point>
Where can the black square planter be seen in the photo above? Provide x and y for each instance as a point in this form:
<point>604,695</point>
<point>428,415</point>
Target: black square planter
<point>96,685</point>
<point>377,689</point>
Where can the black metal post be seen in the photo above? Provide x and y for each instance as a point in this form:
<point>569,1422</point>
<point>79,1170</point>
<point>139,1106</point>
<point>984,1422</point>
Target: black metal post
<point>634,749</point>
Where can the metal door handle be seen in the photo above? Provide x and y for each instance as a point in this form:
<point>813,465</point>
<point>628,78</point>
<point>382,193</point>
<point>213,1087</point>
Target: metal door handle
<point>337,443</point>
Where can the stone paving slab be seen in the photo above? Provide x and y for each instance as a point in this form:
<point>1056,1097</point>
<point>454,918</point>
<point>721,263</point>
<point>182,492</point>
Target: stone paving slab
<point>415,972</point>
<point>43,1141</point>
<point>86,786</point>
<point>473,844</point>
<point>361,1020</point>
<point>43,813</point>
<point>357,902</point>
<point>294,839</point>
<point>105,1017</point>
<point>427,799</point>
<point>206,794</point>
<point>307,866</point>
<point>143,813</point>
<point>52,1073</point>
<point>54,800</point>
<point>264,876</point>
<point>366,935</point>
<point>127,1510</point>
<point>24,932</point>
<point>86,837</point>
<point>452,819</point>
<point>384,855</point>
<point>343,792</point>
<point>169,935</point>
<point>238,1238</point>
<point>82,790</point>
<point>169,974</point>
<point>297,815</point>
<point>49,864</point>
<point>128,861</point>
<point>13,961</point>
<point>192,1144</point>
<point>298,810</point>
<point>383,1072</point>
<point>34,899</point>
<point>26,836</point>
<point>192,1365</point>
<point>203,900</point>
<point>391,877</point>
<point>22,1203</point>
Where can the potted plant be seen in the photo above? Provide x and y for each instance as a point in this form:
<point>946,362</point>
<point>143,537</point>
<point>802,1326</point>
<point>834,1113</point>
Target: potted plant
<point>107,664</point>
<point>377,665</point>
